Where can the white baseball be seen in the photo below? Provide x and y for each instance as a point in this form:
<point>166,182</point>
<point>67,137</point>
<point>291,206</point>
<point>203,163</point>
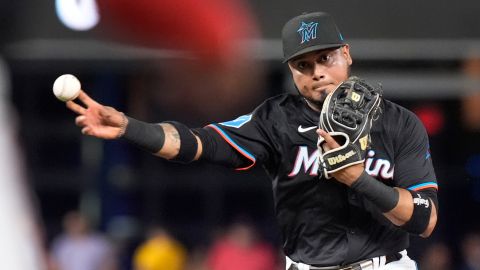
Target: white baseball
<point>66,87</point>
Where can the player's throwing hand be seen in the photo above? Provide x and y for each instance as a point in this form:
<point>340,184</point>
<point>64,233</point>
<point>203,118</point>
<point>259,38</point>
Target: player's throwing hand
<point>96,119</point>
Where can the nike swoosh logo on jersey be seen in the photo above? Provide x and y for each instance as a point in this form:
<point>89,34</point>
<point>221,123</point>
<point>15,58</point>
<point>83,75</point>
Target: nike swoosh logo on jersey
<point>302,130</point>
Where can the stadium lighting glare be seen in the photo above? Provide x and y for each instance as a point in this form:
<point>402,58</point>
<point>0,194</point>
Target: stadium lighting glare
<point>78,15</point>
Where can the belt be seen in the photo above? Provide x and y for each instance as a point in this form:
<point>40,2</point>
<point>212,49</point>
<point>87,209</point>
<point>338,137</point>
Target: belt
<point>373,263</point>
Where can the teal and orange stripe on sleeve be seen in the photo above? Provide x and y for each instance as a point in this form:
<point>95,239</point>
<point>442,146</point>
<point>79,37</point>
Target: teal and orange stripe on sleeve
<point>424,186</point>
<point>232,143</point>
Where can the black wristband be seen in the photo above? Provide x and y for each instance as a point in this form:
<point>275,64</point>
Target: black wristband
<point>381,195</point>
<point>150,137</point>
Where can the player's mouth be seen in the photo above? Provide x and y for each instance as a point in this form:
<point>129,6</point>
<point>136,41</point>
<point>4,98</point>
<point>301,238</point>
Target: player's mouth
<point>321,89</point>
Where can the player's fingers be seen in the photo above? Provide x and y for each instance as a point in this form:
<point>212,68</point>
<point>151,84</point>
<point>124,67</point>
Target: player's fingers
<point>80,120</point>
<point>87,131</point>
<point>75,107</point>
<point>86,99</point>
<point>331,143</point>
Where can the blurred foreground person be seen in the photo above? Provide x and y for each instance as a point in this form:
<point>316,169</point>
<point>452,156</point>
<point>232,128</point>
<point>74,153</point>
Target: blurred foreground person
<point>210,40</point>
<point>20,244</point>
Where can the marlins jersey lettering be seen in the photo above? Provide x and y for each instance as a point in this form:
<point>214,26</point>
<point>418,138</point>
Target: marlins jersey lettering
<point>322,221</point>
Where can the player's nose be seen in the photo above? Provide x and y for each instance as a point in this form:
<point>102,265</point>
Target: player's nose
<point>318,72</point>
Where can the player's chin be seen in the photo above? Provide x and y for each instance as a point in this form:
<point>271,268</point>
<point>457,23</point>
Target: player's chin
<point>317,101</point>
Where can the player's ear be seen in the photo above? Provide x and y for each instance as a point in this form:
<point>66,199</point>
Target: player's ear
<point>346,53</point>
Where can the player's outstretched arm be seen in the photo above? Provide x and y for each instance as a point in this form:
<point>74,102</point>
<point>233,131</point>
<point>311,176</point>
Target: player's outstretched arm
<point>397,204</point>
<point>163,140</point>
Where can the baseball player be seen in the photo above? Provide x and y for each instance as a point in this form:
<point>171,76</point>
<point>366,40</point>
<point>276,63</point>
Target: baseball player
<point>357,216</point>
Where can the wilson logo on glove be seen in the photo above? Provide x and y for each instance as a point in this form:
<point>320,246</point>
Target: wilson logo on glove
<point>347,115</point>
<point>340,158</point>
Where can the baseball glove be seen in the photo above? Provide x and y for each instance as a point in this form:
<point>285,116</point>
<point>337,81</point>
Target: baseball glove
<point>347,114</point>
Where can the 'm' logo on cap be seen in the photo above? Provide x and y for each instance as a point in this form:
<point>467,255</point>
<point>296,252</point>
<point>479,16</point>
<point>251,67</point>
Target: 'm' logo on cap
<point>308,31</point>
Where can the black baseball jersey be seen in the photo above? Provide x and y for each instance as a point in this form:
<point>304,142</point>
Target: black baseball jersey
<point>322,221</point>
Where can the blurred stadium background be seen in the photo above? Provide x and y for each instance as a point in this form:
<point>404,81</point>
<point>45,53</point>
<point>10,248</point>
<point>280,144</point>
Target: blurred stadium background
<point>202,62</point>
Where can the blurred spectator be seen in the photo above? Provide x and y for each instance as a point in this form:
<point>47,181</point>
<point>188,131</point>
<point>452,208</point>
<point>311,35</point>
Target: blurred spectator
<point>471,251</point>
<point>471,121</point>
<point>471,98</point>
<point>160,252</point>
<point>197,259</point>
<point>437,256</point>
<point>239,249</point>
<point>78,248</point>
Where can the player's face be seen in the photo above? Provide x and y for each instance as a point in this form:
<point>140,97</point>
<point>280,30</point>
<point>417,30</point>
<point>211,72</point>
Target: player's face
<point>318,73</point>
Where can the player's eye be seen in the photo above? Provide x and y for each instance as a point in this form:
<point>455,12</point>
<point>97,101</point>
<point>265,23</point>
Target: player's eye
<point>324,58</point>
<point>302,65</point>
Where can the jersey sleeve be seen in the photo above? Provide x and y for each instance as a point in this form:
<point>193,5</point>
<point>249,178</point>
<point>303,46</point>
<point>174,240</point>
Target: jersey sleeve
<point>413,162</point>
<point>240,143</point>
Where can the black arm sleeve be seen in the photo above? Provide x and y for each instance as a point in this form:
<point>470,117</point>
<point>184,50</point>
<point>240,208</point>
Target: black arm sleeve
<point>217,150</point>
<point>422,209</point>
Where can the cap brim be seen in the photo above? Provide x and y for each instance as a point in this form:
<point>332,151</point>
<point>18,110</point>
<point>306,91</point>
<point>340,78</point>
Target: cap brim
<point>314,48</point>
